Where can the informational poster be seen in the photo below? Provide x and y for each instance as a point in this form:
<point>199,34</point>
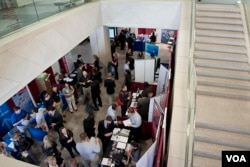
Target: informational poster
<point>166,34</point>
<point>151,49</point>
<point>5,123</point>
<point>22,99</point>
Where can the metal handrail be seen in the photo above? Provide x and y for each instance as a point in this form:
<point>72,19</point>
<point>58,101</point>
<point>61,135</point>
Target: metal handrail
<point>191,90</point>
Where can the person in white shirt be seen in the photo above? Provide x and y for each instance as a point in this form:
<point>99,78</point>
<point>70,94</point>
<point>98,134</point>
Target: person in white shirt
<point>112,111</point>
<point>40,120</point>
<point>88,150</point>
<point>126,65</point>
<point>136,122</point>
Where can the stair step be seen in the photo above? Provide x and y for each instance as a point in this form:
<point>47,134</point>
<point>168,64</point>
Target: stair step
<point>218,20</point>
<point>224,112</point>
<point>228,143</point>
<point>221,56</point>
<point>223,92</point>
<point>219,74</point>
<point>215,83</point>
<point>225,27</point>
<point>206,162</point>
<point>231,129</point>
<point>220,40</point>
<point>220,48</point>
<point>217,7</point>
<point>218,64</point>
<point>220,33</point>
<point>223,135</point>
<point>203,80</point>
<point>218,14</point>
<point>210,150</point>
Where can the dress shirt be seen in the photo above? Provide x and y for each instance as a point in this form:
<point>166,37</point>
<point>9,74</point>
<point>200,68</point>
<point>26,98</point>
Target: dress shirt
<point>126,67</point>
<point>135,119</point>
<point>88,150</point>
<point>111,112</point>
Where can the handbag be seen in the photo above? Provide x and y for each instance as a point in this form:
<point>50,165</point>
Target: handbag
<point>118,101</point>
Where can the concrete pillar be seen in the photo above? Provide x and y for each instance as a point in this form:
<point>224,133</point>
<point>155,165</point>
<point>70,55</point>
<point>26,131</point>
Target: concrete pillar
<point>100,44</point>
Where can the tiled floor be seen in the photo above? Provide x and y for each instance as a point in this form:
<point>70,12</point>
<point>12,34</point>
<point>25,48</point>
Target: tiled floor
<point>74,121</point>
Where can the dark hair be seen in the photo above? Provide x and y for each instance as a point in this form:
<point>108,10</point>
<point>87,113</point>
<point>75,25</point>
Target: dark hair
<point>146,84</point>
<point>15,108</point>
<point>78,56</point>
<point>109,118</point>
<point>51,108</point>
<point>114,106</point>
<point>131,110</point>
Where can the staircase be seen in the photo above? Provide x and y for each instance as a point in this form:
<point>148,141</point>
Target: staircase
<point>223,83</point>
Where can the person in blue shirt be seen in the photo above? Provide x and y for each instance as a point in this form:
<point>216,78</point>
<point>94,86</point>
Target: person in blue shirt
<point>89,150</point>
<point>20,119</point>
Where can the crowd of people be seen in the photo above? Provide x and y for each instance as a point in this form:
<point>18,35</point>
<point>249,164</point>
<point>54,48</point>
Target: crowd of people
<point>50,116</point>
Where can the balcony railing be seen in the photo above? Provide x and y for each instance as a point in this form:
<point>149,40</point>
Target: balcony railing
<point>16,14</point>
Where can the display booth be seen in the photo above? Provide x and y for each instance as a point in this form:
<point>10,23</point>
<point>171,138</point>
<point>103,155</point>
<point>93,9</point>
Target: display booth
<point>145,70</point>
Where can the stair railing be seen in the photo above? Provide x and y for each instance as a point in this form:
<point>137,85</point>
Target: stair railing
<point>192,82</point>
<point>246,5</point>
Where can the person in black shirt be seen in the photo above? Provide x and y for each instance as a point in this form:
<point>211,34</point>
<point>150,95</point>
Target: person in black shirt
<point>96,62</point>
<point>56,98</point>
<point>55,119</point>
<point>89,126</point>
<point>109,83</point>
<point>105,130</point>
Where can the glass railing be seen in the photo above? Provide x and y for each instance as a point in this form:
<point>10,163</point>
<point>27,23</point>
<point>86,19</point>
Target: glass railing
<point>246,4</point>
<point>16,14</point>
<point>191,93</point>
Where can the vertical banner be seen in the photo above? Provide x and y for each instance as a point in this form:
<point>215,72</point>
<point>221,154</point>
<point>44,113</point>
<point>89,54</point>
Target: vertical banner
<point>63,65</point>
<point>5,123</point>
<point>162,81</point>
<point>23,99</point>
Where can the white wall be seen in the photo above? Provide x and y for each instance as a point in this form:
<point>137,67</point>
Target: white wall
<point>149,14</point>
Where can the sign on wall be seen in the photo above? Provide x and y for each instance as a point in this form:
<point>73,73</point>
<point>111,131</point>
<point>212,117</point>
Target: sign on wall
<point>22,99</point>
<point>5,123</point>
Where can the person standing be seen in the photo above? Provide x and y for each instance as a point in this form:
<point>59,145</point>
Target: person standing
<point>96,93</point>
<point>55,119</point>
<point>85,82</point>
<point>50,149</point>
<point>136,122</point>
<point>113,48</point>
<point>68,92</point>
<point>115,64</point>
<point>20,119</point>
<point>122,39</point>
<point>89,126</point>
<point>124,97</point>
<point>57,99</point>
<point>132,65</point>
<point>105,130</point>
<point>66,139</point>
<point>88,150</point>
<point>112,111</point>
<point>96,62</point>
<point>128,78</point>
<point>109,83</point>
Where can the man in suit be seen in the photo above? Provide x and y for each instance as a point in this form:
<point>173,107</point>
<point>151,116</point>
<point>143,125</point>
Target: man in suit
<point>105,130</point>
<point>55,119</point>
